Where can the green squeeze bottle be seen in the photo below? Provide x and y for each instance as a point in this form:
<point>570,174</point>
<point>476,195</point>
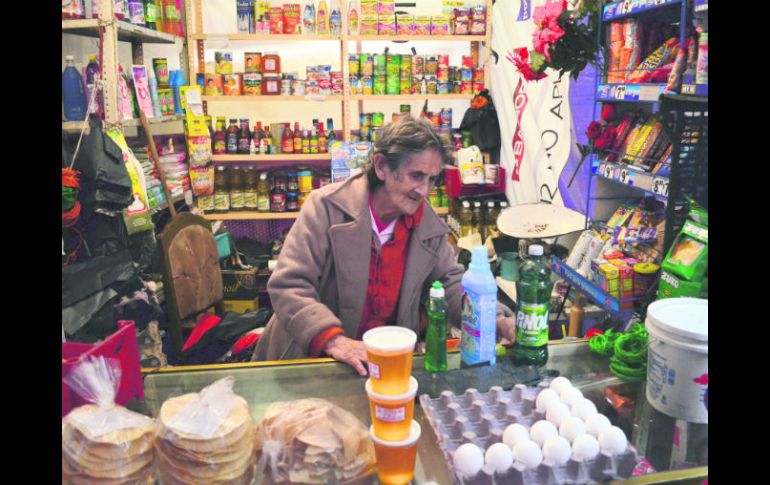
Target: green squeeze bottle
<point>435,338</point>
<point>534,294</point>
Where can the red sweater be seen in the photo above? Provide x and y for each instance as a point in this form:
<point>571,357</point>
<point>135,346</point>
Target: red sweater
<point>386,271</point>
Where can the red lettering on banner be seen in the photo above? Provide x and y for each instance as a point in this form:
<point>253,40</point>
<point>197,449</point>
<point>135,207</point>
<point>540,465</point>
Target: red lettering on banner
<point>519,103</point>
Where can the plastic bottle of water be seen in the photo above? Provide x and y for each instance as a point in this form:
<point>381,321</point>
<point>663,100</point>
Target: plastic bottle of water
<point>152,84</point>
<point>435,336</point>
<point>534,294</point>
<point>73,92</point>
<point>479,310</point>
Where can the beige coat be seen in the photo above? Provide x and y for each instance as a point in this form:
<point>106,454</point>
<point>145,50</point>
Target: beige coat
<point>322,273</point>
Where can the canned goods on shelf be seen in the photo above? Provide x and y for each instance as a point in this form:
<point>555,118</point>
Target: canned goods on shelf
<point>355,84</point>
<point>366,65</point>
<point>432,84</point>
<point>378,85</point>
<point>478,75</point>
<point>418,66</point>
<point>298,86</point>
<point>354,65</point>
<point>442,75</point>
<point>406,84</point>
<point>467,62</point>
<point>443,61</point>
<point>466,75</point>
<point>478,87</point>
<point>232,85</point>
<point>442,88</point>
<point>466,88</point>
<point>378,119</point>
<point>365,120</point>
<point>366,84</point>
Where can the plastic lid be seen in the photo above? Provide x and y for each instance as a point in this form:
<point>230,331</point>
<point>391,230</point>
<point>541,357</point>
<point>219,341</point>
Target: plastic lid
<point>477,204</point>
<point>480,257</point>
<point>466,204</point>
<point>491,204</point>
<point>683,317</point>
<point>536,250</point>
<point>414,435</point>
<point>69,58</point>
<point>92,58</point>
<point>646,268</point>
<point>395,397</point>
<point>390,339</point>
<point>436,290</point>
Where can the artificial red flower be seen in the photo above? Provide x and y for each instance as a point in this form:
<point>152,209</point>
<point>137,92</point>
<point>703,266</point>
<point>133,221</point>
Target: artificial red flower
<point>547,28</point>
<point>545,14</point>
<point>606,139</point>
<point>593,332</point>
<point>520,58</point>
<point>594,130</point>
<point>608,112</point>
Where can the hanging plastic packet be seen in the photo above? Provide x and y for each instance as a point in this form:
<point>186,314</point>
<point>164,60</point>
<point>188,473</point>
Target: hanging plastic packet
<point>202,180</point>
<point>103,442</point>
<point>137,214</point>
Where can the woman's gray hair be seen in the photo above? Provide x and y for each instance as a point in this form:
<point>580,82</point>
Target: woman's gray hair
<point>398,141</point>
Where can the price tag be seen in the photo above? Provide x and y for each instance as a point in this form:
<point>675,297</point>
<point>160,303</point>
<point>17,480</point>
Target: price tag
<point>624,176</point>
<point>608,171</point>
<point>660,186</point>
<point>624,8</point>
<point>620,92</point>
<point>601,167</point>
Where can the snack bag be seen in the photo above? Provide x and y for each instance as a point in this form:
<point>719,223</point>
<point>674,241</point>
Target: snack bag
<point>368,25</point>
<point>387,25</point>
<point>103,442</point>
<point>471,165</point>
<point>199,150</point>
<point>662,56</point>
<point>312,441</point>
<point>404,24</point>
<point>422,25</point>
<point>621,216</point>
<point>369,8</point>
<point>688,256</point>
<point>479,21</point>
<point>439,25</point>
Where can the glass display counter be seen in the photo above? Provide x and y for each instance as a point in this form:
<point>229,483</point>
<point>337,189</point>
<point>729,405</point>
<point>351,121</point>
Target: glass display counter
<point>262,383</point>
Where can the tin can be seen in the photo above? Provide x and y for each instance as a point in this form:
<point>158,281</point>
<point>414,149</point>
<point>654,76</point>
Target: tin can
<point>366,84</point>
<point>312,73</point>
<point>224,62</point>
<point>431,66</point>
<point>456,86</point>
<point>378,84</point>
<point>478,75</point>
<point>466,75</point>
<point>160,66</point>
<point>285,87</point>
<point>378,119</point>
<point>467,62</point>
<point>365,120</point>
<point>406,85</point>
<point>214,85</point>
<point>442,75</point>
<point>393,64</point>
<point>435,119</point>
<point>432,84</point>
<point>418,66</point>
<point>405,108</point>
<point>366,67</point>
<point>442,88</point>
<point>252,62</point>
<point>252,83</point>
<point>380,64</point>
<point>233,86</point>
<point>298,86</point>
<point>478,87</point>
<point>374,134</point>
<point>355,84</point>
<point>446,117</point>
<point>406,65</point>
<point>354,65</point>
<point>305,181</point>
<point>457,141</point>
<point>311,87</point>
<point>466,88</point>
<point>443,61</point>
<point>392,84</point>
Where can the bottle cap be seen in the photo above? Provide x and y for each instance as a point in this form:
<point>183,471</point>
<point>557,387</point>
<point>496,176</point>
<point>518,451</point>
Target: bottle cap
<point>466,204</point>
<point>479,257</point>
<point>536,250</point>
<point>491,204</point>
<point>477,204</point>
<point>69,58</point>
<point>436,290</point>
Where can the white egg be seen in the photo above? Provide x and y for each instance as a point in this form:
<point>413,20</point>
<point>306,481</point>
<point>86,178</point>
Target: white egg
<point>571,428</point>
<point>542,430</point>
<point>556,451</point>
<point>527,453</point>
<point>596,423</point>
<point>585,447</point>
<point>468,459</point>
<point>613,440</point>
<point>499,456</point>
<point>583,409</point>
<point>559,384</point>
<point>557,412</point>
<point>514,433</point>
<point>570,396</point>
<point>545,399</point>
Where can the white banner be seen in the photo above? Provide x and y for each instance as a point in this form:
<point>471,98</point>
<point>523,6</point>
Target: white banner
<point>535,118</point>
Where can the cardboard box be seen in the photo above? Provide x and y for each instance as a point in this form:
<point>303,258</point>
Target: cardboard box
<point>671,286</point>
<point>627,280</point>
<point>240,290</point>
<point>368,8</point>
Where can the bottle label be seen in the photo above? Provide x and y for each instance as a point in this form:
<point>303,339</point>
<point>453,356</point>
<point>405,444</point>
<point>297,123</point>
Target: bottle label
<point>386,415</point>
<point>206,203</point>
<point>263,203</point>
<point>222,202</point>
<point>250,200</point>
<point>532,324</point>
<point>232,143</point>
<point>244,146</point>
<point>313,146</point>
<point>236,200</point>
<point>479,328</point>
<point>219,146</point>
<point>172,13</point>
<point>151,13</point>
<point>374,370</point>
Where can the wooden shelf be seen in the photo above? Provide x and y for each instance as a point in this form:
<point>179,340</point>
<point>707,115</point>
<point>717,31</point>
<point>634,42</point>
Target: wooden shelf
<point>76,126</point>
<point>245,216</point>
<point>126,31</point>
<point>430,38</point>
<point>266,37</point>
<point>274,158</point>
<point>415,97</point>
<point>272,99</point>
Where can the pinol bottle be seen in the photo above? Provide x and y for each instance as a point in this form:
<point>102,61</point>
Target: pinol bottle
<point>479,309</point>
<point>435,337</point>
<point>534,294</point>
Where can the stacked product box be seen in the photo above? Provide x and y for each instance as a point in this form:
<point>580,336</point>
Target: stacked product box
<point>381,18</point>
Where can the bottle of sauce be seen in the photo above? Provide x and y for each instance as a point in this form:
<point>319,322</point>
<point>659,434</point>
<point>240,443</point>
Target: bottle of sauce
<point>305,141</point>
<point>244,138</point>
<point>257,136</point>
<point>292,183</point>
<point>267,142</point>
<point>250,189</point>
<point>322,19</point>
<point>237,183</point>
<point>263,193</point>
<point>220,143</point>
<point>314,142</point>
<point>331,137</point>
<point>221,191</point>
<point>297,138</point>
<point>231,137</point>
<point>292,202</point>
<point>323,146</point>
<point>492,213</point>
<point>287,143</point>
<point>278,194</point>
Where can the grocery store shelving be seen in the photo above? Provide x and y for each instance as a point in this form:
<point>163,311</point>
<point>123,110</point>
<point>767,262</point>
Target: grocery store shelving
<point>126,31</point>
<point>421,38</point>
<point>626,175</point>
<point>636,9</point>
<point>255,216</point>
<point>266,37</point>
<point>76,126</point>
<point>640,93</point>
<point>413,97</point>
<point>284,157</point>
<point>271,98</point>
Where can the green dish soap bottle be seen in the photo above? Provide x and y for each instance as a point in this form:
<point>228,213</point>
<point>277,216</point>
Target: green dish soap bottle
<point>435,338</point>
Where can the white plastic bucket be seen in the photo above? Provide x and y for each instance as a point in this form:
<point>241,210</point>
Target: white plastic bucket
<point>677,358</point>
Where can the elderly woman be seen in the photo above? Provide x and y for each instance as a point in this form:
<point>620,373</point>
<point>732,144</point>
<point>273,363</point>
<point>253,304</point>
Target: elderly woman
<point>363,254</point>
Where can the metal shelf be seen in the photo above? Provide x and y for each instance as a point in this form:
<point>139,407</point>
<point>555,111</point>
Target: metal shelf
<point>432,38</point>
<point>126,32</point>
<point>416,97</point>
<point>267,37</point>
<point>274,158</point>
<point>625,175</point>
<point>630,93</point>
<point>636,8</point>
<point>271,99</point>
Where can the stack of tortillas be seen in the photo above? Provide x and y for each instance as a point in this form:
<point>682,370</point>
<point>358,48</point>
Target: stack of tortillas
<point>312,441</point>
<point>203,442</point>
<point>107,446</point>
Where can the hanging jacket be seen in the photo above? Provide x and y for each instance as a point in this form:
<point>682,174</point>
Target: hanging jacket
<point>481,121</point>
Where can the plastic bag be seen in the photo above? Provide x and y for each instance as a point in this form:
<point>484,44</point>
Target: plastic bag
<point>102,441</point>
<point>312,441</point>
<point>206,438</point>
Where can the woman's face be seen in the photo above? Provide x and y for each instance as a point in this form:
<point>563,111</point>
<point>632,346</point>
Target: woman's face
<point>407,186</point>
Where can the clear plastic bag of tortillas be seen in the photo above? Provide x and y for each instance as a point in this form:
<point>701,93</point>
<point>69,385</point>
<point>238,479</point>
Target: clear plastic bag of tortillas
<point>103,442</point>
<point>206,438</point>
<point>312,441</point>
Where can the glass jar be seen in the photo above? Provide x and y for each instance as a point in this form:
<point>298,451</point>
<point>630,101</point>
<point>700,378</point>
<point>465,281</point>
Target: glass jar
<point>292,185</point>
<point>292,202</point>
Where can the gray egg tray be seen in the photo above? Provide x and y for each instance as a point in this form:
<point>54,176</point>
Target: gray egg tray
<point>481,418</point>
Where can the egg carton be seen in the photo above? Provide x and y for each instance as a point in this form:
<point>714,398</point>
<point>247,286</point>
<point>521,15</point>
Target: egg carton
<point>481,418</point>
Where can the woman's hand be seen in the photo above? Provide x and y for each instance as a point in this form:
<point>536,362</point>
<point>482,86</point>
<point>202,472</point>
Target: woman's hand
<point>506,328</point>
<point>347,350</point>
